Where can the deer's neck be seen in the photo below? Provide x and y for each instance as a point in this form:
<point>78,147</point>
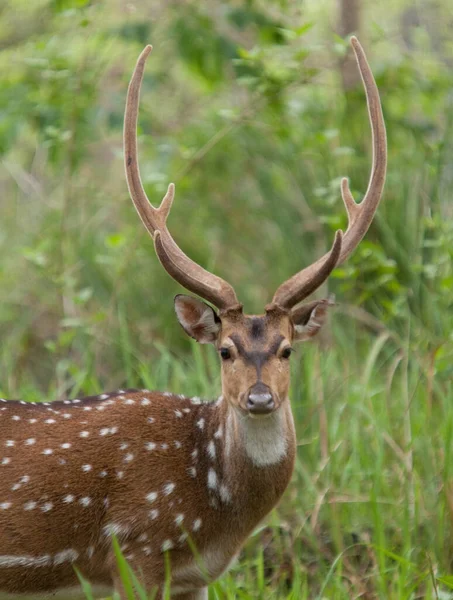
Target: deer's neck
<point>264,441</point>
<point>257,457</point>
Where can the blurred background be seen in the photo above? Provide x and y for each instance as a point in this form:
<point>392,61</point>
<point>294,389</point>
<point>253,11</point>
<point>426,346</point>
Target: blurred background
<point>255,109</point>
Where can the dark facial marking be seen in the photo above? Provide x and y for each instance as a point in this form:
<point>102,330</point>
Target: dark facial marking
<point>257,328</point>
<point>257,358</point>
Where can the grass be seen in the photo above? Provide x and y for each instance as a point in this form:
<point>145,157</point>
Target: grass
<point>85,306</point>
<point>369,511</point>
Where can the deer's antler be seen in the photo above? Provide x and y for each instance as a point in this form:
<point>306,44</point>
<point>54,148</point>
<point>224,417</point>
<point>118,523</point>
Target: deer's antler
<point>184,270</point>
<point>301,285</point>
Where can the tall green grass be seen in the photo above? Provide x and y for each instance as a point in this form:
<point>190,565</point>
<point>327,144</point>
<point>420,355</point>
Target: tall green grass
<point>242,108</point>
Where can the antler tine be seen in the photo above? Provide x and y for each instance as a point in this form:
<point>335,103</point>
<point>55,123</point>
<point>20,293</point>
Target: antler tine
<point>360,215</point>
<point>185,271</point>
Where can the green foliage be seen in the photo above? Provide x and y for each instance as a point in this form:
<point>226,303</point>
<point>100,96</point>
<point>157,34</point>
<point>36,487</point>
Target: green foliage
<point>242,107</point>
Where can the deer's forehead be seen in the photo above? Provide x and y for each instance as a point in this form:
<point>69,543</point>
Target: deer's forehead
<point>257,330</point>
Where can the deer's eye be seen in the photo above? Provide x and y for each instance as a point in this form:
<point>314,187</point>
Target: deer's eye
<point>287,352</point>
<point>225,353</point>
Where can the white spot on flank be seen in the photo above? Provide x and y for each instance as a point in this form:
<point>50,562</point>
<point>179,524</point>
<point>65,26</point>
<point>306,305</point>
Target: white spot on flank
<point>195,400</point>
<point>6,461</point>
<point>179,519</point>
<point>84,434</point>
<point>38,561</point>
<point>103,396</point>
<point>177,444</point>
<point>178,413</point>
<point>218,434</point>
<point>164,446</point>
<point>9,443</point>
<point>90,551</point>
<point>129,401</point>
<point>200,424</point>
<point>32,420</point>
<point>211,450</point>
<point>104,431</point>
<point>150,445</point>
<point>192,472</point>
<point>68,499</point>
<point>168,488</point>
<point>146,402</point>
<point>50,421</point>
<point>147,550</point>
<point>85,501</point>
<point>196,524</point>
<point>66,445</point>
<point>143,537</point>
<point>47,506</point>
<point>212,479</point>
<point>224,493</point>
<point>186,410</point>
<point>15,418</point>
<point>167,545</point>
<point>47,451</point>
<point>129,457</point>
<point>124,445</point>
<point>66,416</point>
<point>65,556</point>
<point>151,497</point>
<point>151,420</point>
<point>5,505</point>
<point>31,505</point>
<point>120,474</point>
<point>86,468</point>
<point>116,529</point>
<point>87,408</point>
<point>76,401</point>
<point>194,454</point>
<point>103,473</point>
<point>30,441</point>
<point>153,514</point>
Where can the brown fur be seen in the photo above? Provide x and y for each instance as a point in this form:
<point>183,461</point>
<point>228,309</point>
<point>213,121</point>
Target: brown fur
<point>40,533</point>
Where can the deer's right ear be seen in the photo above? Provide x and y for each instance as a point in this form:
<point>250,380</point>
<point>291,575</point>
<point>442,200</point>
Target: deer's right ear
<point>309,318</point>
<point>197,319</point>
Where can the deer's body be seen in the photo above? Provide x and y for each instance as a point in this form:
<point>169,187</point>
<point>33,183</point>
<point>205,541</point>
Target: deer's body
<point>181,483</point>
<point>158,470</point>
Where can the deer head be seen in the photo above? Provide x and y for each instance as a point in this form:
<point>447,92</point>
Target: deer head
<point>254,350</point>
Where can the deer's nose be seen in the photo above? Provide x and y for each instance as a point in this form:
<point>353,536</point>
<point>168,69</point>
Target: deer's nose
<point>260,400</point>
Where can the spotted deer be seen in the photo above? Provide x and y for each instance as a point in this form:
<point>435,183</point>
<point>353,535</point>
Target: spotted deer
<point>178,481</point>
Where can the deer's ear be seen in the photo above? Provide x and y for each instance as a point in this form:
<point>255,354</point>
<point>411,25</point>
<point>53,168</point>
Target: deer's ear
<point>309,318</point>
<point>197,319</point>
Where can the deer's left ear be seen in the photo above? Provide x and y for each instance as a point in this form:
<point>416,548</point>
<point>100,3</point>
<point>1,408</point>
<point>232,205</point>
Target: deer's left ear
<point>197,319</point>
<point>309,318</point>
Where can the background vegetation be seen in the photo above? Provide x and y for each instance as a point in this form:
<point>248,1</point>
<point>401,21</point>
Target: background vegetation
<point>253,109</point>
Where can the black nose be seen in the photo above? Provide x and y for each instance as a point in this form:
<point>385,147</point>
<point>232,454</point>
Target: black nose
<point>260,400</point>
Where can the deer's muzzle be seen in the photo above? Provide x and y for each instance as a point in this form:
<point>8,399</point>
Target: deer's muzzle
<point>260,400</point>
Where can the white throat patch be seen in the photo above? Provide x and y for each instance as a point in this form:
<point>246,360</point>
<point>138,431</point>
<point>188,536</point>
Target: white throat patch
<point>265,439</point>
